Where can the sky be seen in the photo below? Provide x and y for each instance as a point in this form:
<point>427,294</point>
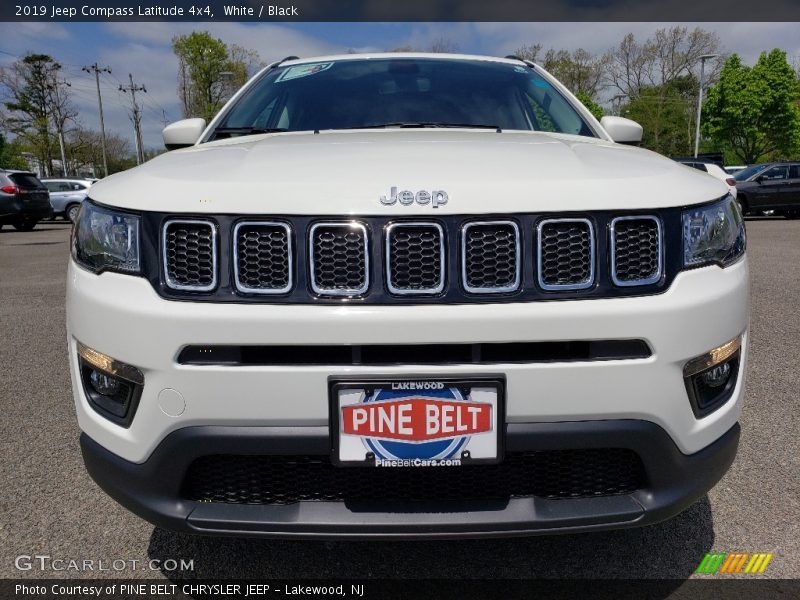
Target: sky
<point>144,50</point>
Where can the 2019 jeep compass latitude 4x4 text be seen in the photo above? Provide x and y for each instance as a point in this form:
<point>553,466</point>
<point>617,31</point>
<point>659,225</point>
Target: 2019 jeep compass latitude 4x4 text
<point>407,295</point>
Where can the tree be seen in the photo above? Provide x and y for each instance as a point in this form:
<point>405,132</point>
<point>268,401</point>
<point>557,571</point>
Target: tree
<point>443,45</point>
<point>753,111</point>
<point>529,52</point>
<point>593,106</point>
<point>660,77</point>
<point>86,152</point>
<point>666,114</point>
<point>208,71</point>
<point>660,60</point>
<point>243,63</point>
<point>579,70</point>
<point>440,45</point>
<point>11,155</point>
<point>33,96</point>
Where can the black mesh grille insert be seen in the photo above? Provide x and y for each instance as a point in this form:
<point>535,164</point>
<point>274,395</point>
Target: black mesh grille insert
<point>288,479</point>
<point>490,257</point>
<point>340,258</point>
<point>637,250</point>
<point>414,252</point>
<point>190,255</point>
<point>565,253</point>
<point>263,257</point>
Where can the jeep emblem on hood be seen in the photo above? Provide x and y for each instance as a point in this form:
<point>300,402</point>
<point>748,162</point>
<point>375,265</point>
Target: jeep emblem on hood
<point>435,198</point>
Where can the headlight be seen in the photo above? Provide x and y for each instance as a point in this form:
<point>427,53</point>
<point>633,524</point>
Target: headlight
<point>713,233</point>
<point>106,240</point>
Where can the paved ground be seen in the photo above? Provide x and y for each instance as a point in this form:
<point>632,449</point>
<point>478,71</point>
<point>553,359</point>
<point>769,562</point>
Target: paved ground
<point>49,506</point>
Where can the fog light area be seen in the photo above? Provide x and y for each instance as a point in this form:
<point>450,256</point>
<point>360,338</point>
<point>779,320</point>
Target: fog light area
<point>711,378</point>
<point>112,387</point>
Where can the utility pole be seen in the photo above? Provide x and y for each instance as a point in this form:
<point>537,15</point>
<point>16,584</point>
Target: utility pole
<point>58,117</point>
<point>616,103</point>
<point>136,116</point>
<point>703,60</point>
<point>97,70</point>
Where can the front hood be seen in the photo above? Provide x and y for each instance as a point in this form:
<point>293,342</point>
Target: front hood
<point>347,172</point>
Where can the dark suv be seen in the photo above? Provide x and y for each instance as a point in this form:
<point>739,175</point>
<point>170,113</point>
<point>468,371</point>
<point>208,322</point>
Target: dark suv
<point>24,200</point>
<point>770,186</point>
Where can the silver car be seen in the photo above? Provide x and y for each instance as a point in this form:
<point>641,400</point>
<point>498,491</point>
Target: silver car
<point>66,195</point>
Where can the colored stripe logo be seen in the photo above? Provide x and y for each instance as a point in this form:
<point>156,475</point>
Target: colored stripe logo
<point>734,562</point>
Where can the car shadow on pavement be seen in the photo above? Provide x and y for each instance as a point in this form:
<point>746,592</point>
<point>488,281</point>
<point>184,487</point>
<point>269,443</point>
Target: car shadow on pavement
<point>670,550</point>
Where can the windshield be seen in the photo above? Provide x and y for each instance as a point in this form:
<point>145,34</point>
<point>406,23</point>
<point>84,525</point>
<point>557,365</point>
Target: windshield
<point>401,92</point>
<point>747,173</point>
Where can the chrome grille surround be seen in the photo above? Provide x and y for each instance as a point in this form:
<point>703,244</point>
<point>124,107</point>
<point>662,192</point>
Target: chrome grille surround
<point>465,280</point>
<point>390,283</point>
<point>169,280</point>
<point>613,251</point>
<point>313,259</point>
<point>240,285</point>
<point>589,280</point>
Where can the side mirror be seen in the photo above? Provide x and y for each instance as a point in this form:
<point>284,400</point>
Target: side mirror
<point>181,134</point>
<point>760,179</point>
<point>622,130</point>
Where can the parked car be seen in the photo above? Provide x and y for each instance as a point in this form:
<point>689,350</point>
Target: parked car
<point>712,169</point>
<point>66,195</point>
<point>24,200</point>
<point>770,187</point>
<point>406,296</point>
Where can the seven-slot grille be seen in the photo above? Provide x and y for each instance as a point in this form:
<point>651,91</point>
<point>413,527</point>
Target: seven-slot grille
<point>415,258</point>
<point>636,256</point>
<point>190,255</point>
<point>566,254</point>
<point>263,257</point>
<point>339,259</point>
<point>490,256</point>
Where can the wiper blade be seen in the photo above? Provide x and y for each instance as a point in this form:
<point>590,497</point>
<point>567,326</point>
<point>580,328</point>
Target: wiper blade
<point>248,130</point>
<point>422,125</point>
<point>465,126</point>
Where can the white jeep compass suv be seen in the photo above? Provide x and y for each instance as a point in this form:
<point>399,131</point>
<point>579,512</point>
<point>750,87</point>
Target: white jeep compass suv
<point>407,295</point>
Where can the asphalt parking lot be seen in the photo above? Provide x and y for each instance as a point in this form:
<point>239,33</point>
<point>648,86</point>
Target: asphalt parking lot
<point>49,506</point>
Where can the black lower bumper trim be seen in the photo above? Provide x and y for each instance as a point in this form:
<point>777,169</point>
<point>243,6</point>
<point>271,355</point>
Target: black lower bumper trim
<point>153,489</point>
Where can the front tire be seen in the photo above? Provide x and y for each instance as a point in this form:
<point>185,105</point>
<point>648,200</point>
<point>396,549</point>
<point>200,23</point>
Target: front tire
<point>27,225</point>
<point>71,213</point>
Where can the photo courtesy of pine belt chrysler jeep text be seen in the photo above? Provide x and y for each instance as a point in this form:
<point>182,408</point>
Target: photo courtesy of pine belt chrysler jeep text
<point>407,295</point>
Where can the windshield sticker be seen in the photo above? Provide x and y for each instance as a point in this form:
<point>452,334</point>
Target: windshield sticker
<point>303,71</point>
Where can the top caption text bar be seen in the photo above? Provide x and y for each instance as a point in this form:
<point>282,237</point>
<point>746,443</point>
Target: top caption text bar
<point>404,10</point>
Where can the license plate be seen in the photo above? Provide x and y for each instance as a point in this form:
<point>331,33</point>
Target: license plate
<point>416,422</point>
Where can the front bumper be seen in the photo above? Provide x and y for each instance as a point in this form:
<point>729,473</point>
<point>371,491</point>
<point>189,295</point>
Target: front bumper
<point>155,489</point>
<point>123,317</point>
